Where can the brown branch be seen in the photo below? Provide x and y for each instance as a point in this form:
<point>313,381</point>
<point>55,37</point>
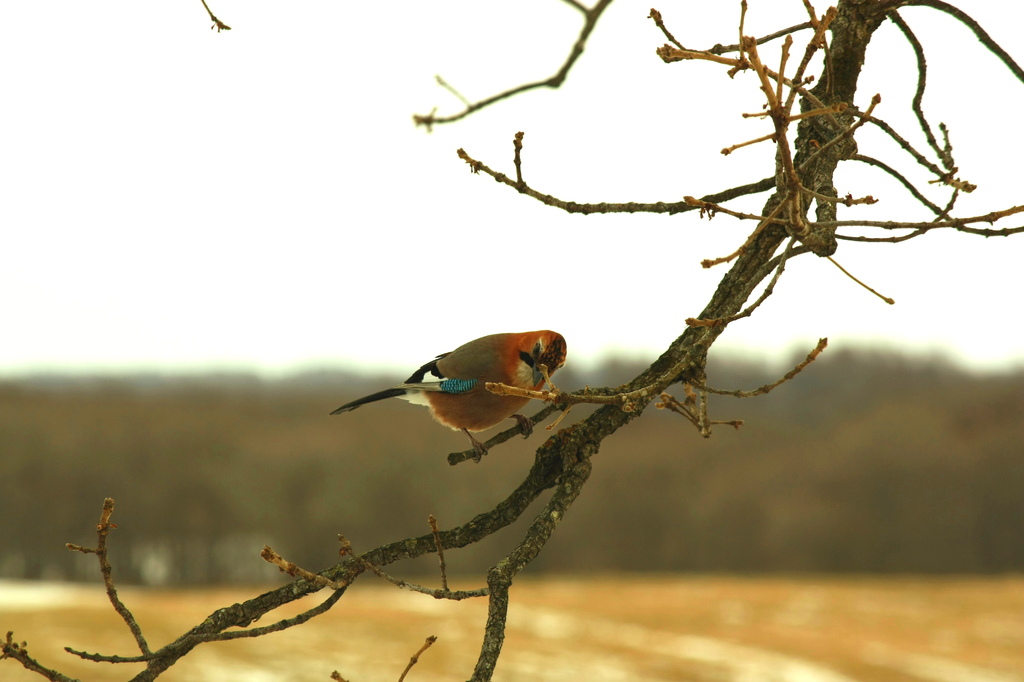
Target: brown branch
<point>19,652</point>
<point>458,457</point>
<point>217,23</point>
<point>886,240</point>
<point>686,408</point>
<point>591,17</point>
<point>746,312</point>
<point>922,77</point>
<point>280,625</point>
<point>671,208</point>
<point>711,209</point>
<point>811,357</point>
<point>899,178</point>
<point>296,571</point>
<point>976,28</point>
<point>817,41</point>
<point>443,593</point>
<point>105,658</point>
<point>959,224</point>
<point>944,176</point>
<point>770,218</point>
<point>848,200</point>
<point>440,551</point>
<point>722,49</point>
<point>517,144</point>
<point>416,656</point>
<point>846,272</point>
<point>576,466</point>
<point>103,528</point>
<point>562,399</point>
<point>660,23</point>
<point>726,151</point>
<point>670,54</point>
<point>444,84</point>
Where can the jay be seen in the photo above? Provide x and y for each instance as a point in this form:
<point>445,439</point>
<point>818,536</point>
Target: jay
<point>452,384</point>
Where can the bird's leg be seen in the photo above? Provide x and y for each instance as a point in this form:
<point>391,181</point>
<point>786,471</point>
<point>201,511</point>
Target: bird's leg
<point>478,447</point>
<point>524,423</point>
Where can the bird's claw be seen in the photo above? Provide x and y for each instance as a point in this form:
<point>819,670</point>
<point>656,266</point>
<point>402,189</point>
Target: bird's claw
<point>524,424</point>
<point>479,449</point>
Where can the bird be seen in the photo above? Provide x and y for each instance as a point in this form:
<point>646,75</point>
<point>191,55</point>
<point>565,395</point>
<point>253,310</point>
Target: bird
<point>452,384</point>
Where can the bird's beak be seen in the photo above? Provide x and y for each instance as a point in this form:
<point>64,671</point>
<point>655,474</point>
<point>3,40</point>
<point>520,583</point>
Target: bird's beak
<point>537,376</point>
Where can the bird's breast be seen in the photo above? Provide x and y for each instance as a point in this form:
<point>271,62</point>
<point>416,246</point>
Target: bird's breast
<point>474,411</point>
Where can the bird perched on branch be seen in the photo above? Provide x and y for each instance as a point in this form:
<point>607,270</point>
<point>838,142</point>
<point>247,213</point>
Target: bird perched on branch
<point>452,385</point>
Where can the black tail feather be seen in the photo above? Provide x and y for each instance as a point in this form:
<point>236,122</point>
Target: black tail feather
<point>372,398</point>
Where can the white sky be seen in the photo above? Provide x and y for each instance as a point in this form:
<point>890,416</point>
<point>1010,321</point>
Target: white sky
<point>172,198</point>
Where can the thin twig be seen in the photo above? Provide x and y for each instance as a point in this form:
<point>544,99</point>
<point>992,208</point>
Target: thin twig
<point>217,23</point>
<point>659,22</point>
<point>811,357</point>
<point>19,652</point>
<point>976,28</point>
<point>888,300</point>
<point>447,86</point>
<point>907,147</point>
<point>296,571</point>
<point>871,161</point>
<point>440,551</point>
<point>746,312</point>
<point>517,144</point>
<point>591,15</point>
<point>726,151</point>
<point>915,104</point>
<point>280,625</point>
<point>416,656</point>
<point>453,595</point>
<point>686,408</point>
<point>769,219</point>
<point>671,208</point>
<point>722,49</point>
<point>960,224</point>
<point>103,528</point>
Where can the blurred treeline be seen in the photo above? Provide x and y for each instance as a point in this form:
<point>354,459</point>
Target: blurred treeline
<point>866,462</point>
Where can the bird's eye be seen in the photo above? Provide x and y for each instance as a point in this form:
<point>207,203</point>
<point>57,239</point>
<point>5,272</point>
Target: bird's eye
<point>538,348</point>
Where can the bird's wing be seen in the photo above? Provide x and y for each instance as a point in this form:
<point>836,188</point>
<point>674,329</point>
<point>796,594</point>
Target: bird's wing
<point>430,368</point>
<point>452,386</point>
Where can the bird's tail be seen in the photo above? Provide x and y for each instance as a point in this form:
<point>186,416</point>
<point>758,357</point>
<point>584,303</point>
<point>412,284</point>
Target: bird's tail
<point>372,398</point>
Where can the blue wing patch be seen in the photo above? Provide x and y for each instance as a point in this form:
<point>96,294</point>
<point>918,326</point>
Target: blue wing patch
<point>457,386</point>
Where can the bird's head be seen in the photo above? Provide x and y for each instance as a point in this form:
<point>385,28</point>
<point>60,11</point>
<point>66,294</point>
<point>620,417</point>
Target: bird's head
<point>545,348</point>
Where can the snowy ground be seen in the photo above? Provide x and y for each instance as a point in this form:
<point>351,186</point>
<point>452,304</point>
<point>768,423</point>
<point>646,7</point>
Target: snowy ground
<point>626,628</point>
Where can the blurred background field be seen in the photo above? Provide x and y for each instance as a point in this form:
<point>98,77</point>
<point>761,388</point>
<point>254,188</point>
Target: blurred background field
<point>864,524</point>
<point>595,628</point>
<point>867,463</point>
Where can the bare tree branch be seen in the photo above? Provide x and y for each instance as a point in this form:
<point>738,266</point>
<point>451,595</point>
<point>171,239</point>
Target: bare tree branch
<point>670,208</point>
<point>103,528</point>
<point>591,17</point>
<point>217,23</point>
<point>975,27</point>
